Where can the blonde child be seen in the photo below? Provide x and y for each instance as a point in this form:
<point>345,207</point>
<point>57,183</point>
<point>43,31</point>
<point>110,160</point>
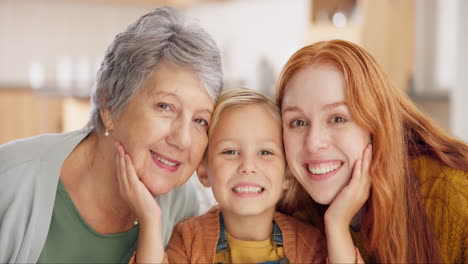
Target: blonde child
<point>244,165</point>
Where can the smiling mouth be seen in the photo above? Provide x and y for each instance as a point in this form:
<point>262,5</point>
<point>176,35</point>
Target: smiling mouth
<point>248,189</point>
<point>319,169</point>
<point>164,160</point>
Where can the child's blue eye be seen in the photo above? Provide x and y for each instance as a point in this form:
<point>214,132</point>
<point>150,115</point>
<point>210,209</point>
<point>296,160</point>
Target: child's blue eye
<point>266,152</point>
<point>297,123</point>
<point>230,152</point>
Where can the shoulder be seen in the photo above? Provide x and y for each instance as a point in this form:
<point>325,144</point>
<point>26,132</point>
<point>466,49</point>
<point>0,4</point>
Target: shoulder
<point>428,169</point>
<point>201,232</point>
<point>194,240</point>
<point>291,226</point>
<point>23,151</point>
<point>441,184</point>
<point>444,193</point>
<point>203,223</point>
<point>302,242</point>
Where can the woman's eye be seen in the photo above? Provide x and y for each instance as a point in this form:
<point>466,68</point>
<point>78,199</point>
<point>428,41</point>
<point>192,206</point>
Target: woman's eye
<point>266,152</point>
<point>201,122</point>
<point>337,119</point>
<point>230,152</point>
<point>297,123</point>
<point>163,106</point>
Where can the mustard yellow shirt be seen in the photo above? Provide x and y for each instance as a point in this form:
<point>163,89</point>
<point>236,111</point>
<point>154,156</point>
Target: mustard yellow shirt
<point>241,251</point>
<point>444,192</point>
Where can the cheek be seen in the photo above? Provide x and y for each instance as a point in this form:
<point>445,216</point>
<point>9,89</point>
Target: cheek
<point>217,183</point>
<point>198,146</point>
<point>214,166</point>
<point>278,165</point>
<point>353,142</point>
<point>292,146</point>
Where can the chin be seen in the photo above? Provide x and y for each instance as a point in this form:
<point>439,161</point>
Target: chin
<point>323,199</point>
<point>160,189</point>
<point>247,211</point>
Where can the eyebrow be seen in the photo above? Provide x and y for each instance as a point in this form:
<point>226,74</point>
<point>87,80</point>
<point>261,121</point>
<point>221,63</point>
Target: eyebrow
<point>206,111</point>
<point>236,141</point>
<point>178,99</point>
<point>334,105</point>
<point>328,106</point>
<point>163,94</point>
<point>291,109</point>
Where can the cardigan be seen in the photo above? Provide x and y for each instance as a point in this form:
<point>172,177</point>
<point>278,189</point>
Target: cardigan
<point>194,240</point>
<point>29,174</point>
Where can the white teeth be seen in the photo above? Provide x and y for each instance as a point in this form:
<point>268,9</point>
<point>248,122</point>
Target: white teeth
<point>324,169</point>
<point>172,164</point>
<point>248,189</point>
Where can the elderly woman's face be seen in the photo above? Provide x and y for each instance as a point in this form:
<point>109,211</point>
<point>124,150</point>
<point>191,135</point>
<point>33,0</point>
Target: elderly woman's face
<point>322,142</point>
<point>164,128</point>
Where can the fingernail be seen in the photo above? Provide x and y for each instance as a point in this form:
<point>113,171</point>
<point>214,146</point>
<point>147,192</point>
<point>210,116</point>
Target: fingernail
<point>116,145</point>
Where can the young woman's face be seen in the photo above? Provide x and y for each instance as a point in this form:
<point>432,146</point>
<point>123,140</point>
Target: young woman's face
<point>245,162</point>
<point>322,142</point>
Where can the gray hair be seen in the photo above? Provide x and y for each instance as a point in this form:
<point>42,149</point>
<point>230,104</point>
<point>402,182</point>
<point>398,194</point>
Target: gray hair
<point>135,54</point>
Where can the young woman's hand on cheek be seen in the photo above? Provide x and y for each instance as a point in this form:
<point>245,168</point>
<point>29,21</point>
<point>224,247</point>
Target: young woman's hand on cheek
<point>354,195</point>
<point>132,189</point>
<point>344,207</point>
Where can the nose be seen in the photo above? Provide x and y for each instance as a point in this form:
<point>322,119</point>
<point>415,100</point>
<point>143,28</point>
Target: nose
<point>180,135</point>
<point>317,138</point>
<point>247,165</point>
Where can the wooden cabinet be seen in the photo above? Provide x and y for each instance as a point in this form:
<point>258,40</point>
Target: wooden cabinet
<point>25,113</point>
<point>385,28</point>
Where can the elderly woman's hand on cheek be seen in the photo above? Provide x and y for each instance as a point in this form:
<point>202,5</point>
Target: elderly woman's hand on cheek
<point>132,189</point>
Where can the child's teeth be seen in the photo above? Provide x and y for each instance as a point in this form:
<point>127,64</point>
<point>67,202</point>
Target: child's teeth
<point>248,189</point>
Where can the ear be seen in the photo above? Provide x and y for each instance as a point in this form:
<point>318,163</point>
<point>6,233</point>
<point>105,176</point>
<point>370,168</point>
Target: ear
<point>106,118</point>
<point>202,174</point>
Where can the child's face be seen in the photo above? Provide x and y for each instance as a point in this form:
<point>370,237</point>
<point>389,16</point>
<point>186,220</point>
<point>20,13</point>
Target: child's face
<point>245,160</point>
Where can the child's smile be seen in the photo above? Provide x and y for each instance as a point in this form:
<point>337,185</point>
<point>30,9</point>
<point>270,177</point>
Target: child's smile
<point>248,189</point>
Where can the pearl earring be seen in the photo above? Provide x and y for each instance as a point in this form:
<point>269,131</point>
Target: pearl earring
<point>106,133</point>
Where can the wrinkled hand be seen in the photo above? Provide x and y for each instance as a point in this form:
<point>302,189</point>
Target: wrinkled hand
<point>353,196</point>
<point>132,189</point>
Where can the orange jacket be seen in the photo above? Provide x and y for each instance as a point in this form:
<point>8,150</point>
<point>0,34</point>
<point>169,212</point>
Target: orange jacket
<point>194,240</point>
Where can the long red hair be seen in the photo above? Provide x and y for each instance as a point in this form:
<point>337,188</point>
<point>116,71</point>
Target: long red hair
<point>396,228</point>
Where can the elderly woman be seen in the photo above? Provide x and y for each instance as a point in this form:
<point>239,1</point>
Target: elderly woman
<point>154,94</point>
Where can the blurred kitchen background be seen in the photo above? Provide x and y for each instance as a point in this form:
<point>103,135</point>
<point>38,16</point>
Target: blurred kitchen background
<point>50,50</point>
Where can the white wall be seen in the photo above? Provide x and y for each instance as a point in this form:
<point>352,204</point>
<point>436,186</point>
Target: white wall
<point>459,96</point>
<point>245,30</point>
<point>250,30</point>
<point>36,31</point>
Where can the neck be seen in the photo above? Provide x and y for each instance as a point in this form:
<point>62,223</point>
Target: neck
<point>99,177</point>
<point>249,228</point>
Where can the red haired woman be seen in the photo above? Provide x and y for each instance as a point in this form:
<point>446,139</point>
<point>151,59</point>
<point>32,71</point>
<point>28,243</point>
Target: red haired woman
<point>337,104</point>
